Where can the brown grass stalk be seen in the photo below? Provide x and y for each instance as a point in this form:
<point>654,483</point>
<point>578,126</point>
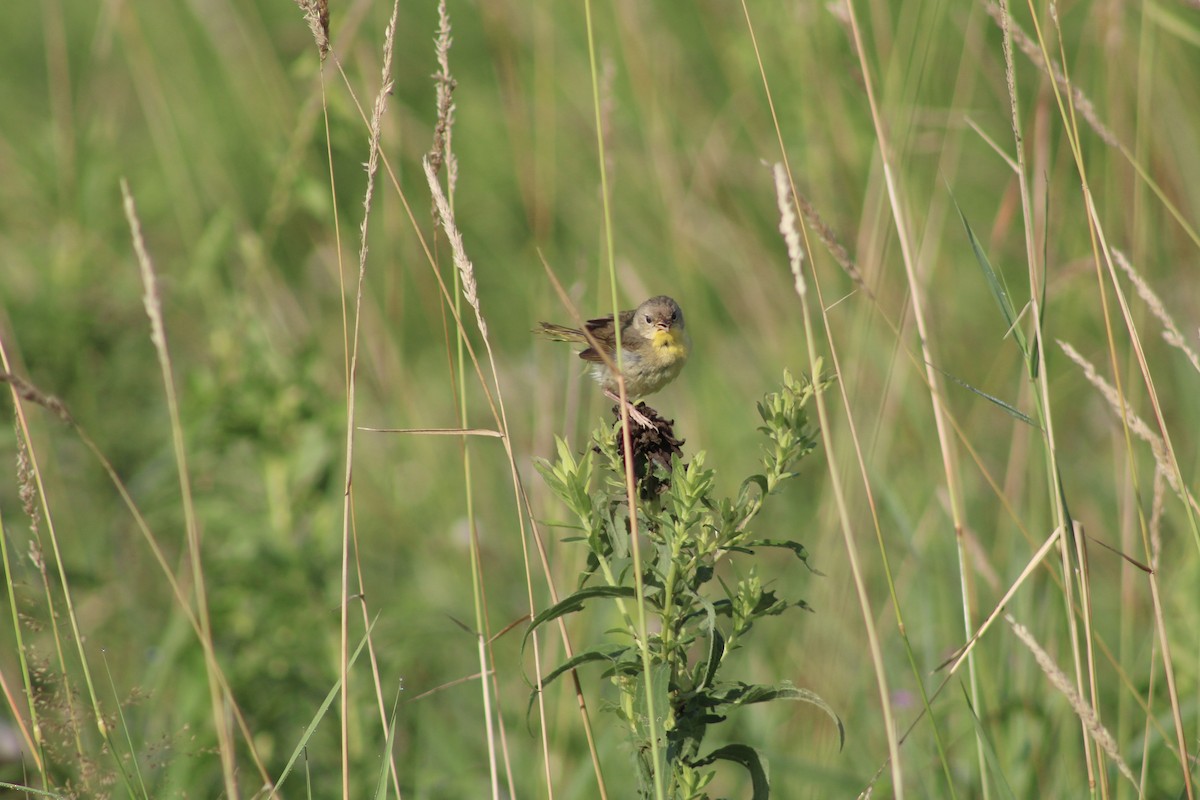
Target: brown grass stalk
<point>158,337</point>
<point>351,404</point>
<point>795,254</point>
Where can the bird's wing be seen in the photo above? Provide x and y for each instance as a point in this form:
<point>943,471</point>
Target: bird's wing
<point>601,330</point>
<point>605,335</point>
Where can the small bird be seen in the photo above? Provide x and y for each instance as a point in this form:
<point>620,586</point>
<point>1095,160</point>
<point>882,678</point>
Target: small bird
<point>654,348</point>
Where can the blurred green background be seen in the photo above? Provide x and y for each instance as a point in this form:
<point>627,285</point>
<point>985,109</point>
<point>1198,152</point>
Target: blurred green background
<point>215,113</point>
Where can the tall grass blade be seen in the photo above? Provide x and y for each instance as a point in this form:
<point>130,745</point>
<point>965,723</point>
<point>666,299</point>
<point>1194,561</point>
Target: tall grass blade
<point>320,715</point>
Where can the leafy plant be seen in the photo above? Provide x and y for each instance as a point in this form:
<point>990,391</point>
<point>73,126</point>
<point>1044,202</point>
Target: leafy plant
<point>700,618</point>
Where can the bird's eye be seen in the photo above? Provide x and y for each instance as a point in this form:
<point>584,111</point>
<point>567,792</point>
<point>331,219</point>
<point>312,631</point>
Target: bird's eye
<point>648,318</point>
<point>674,316</point>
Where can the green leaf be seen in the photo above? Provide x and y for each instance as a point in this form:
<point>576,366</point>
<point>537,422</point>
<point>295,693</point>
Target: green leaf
<point>618,538</point>
<point>749,758</point>
<point>660,680</point>
<point>716,646</point>
<point>769,605</point>
<point>316,720</point>
<point>1006,407</point>
<point>789,692</point>
<point>995,284</point>
<point>31,790</point>
<point>660,687</point>
<point>759,480</point>
<point>611,653</point>
<point>1036,354</point>
<point>381,784</point>
<point>744,694</point>
<point>989,753</point>
<point>574,602</point>
<point>787,544</point>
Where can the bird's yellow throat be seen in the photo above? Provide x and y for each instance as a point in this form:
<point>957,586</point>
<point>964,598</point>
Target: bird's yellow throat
<point>670,345</point>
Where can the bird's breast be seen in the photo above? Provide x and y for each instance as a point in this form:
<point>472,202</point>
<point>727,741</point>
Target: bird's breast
<point>669,346</point>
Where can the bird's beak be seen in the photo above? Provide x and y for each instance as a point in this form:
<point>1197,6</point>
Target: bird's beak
<point>663,325</point>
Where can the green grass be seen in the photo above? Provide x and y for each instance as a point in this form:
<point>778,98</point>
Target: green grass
<point>215,115</point>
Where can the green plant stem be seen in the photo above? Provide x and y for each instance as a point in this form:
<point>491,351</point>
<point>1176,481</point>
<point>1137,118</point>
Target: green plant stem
<point>631,489</point>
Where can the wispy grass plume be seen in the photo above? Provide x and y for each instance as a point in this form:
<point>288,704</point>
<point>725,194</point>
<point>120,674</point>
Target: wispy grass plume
<point>1171,333</point>
<point>1086,714</point>
<point>1137,425</point>
<point>316,14</point>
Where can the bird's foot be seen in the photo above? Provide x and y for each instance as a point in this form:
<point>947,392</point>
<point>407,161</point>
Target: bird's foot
<point>634,414</point>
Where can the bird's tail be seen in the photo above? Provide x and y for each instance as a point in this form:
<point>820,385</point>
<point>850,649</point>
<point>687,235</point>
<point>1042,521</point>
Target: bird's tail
<point>559,333</point>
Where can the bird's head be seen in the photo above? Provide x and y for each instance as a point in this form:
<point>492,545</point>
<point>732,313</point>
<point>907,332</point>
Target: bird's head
<point>660,320</point>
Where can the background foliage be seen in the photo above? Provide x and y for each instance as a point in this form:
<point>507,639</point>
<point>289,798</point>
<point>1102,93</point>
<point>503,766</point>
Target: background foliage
<point>216,114</point>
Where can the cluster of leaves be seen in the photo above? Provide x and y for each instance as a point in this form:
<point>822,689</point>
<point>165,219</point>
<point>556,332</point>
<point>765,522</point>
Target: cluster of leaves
<point>699,618</point>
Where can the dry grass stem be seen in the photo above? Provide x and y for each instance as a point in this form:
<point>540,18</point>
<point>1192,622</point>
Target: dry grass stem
<point>439,431</point>
<point>1033,564</point>
<point>442,153</point>
<point>372,166</point>
<point>893,762</point>
<point>27,391</point>
<point>993,144</point>
<point>1082,710</point>
<point>217,691</point>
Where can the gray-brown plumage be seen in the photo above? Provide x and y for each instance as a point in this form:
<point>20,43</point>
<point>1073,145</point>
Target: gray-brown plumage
<point>654,345</point>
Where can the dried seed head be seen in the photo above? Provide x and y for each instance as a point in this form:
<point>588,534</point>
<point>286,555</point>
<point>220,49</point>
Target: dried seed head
<point>653,446</point>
